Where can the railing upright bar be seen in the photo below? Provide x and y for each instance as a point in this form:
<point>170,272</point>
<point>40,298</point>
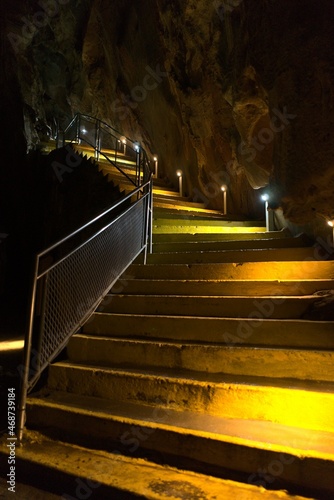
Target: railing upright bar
<point>151,217</point>
<point>146,225</point>
<point>27,355</point>
<point>97,140</point>
<point>138,155</point>
<point>78,128</point>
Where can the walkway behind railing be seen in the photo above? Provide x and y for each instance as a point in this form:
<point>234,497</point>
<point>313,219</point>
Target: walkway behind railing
<point>72,276</point>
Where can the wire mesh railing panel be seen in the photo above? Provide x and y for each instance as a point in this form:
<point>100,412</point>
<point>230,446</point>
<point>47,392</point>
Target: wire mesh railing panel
<point>76,284</point>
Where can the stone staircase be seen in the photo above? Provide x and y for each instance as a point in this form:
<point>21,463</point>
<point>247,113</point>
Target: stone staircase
<point>198,376</point>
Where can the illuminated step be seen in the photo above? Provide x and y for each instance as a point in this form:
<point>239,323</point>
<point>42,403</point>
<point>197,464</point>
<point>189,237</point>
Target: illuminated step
<point>184,208</point>
<point>181,202</point>
<point>234,397</point>
<point>202,246</point>
<point>248,361</point>
<point>198,223</point>
<point>165,191</point>
<point>100,471</point>
<point>215,287</point>
<point>232,331</point>
<point>113,171</point>
<point>239,271</point>
<point>197,237</point>
<point>290,307</point>
<point>175,213</point>
<point>204,229</point>
<point>243,255</point>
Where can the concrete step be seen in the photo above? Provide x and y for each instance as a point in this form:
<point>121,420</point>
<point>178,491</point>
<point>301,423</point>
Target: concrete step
<point>164,184</point>
<point>165,190</point>
<point>177,202</point>
<point>169,197</point>
<point>202,246</point>
<point>252,398</point>
<point>128,285</point>
<point>116,175</point>
<point>145,354</point>
<point>246,447</point>
<point>256,331</point>
<point>185,209</point>
<point>279,271</point>
<point>74,471</point>
<point>90,152</point>
<point>214,236</point>
<point>243,255</point>
<point>206,223</point>
<point>177,213</point>
<point>165,229</point>
<point>279,307</point>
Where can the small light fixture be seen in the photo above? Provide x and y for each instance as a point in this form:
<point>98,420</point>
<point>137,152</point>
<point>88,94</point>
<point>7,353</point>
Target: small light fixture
<point>331,224</point>
<point>83,131</point>
<point>155,159</point>
<point>224,191</point>
<point>179,173</point>
<point>265,198</point>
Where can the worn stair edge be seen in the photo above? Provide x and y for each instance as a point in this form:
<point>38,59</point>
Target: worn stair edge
<point>254,398</point>
<point>214,236</point>
<point>278,307</point>
<point>280,271</point>
<point>157,229</point>
<point>199,246</point>
<point>214,444</point>
<point>228,331</point>
<point>257,361</point>
<point>107,474</point>
<point>211,287</point>
<point>241,255</point>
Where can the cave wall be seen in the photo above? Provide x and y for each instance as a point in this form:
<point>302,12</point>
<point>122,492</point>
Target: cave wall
<point>232,92</point>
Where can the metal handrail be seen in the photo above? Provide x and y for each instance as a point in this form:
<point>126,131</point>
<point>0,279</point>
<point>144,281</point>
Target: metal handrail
<point>144,202</point>
<point>137,150</point>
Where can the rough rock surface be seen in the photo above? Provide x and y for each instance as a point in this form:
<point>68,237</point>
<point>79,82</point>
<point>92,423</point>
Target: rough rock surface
<point>233,92</point>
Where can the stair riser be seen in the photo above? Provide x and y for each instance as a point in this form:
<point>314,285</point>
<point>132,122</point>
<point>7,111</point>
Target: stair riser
<point>134,437</point>
<point>227,288</point>
<point>279,271</point>
<point>228,400</point>
<point>217,246</point>
<point>223,331</point>
<point>218,307</point>
<point>185,221</point>
<point>214,236</point>
<point>184,209</point>
<point>176,202</point>
<point>274,363</point>
<point>267,255</point>
<point>158,229</point>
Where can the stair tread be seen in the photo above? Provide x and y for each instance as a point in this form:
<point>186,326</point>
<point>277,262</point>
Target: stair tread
<point>204,379</point>
<point>278,437</point>
<point>195,343</point>
<point>128,475</point>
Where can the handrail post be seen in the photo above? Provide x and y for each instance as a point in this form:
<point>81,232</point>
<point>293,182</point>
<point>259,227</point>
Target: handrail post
<point>27,356</point>
<point>138,155</point>
<point>151,216</point>
<point>78,128</point>
<point>97,140</point>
